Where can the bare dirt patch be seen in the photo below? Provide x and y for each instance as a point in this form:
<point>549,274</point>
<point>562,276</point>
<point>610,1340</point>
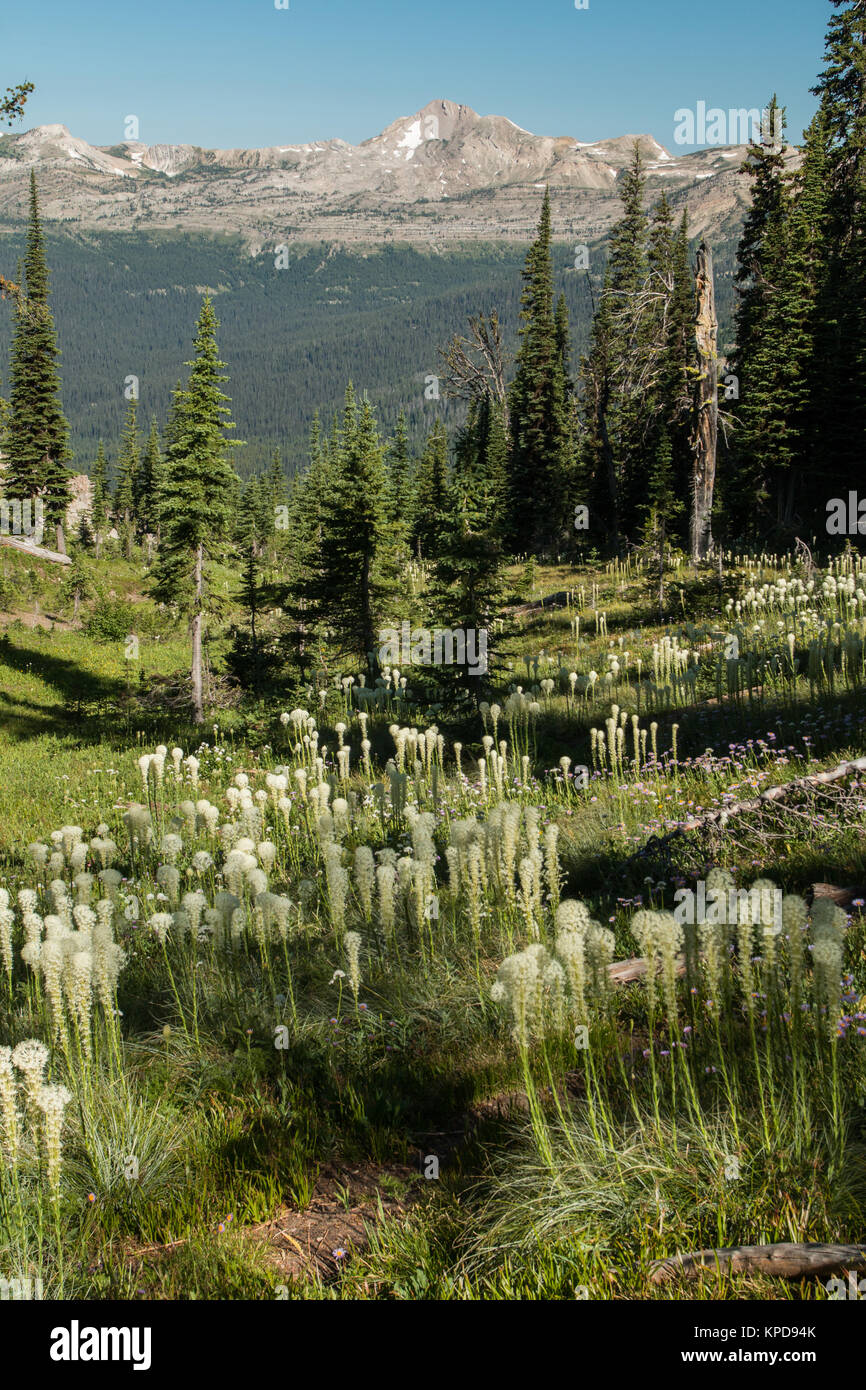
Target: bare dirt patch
<point>348,1200</point>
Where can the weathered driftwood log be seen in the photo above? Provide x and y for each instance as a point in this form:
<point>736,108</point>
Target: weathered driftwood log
<point>623,972</point>
<point>39,552</point>
<point>724,813</point>
<point>786,1261</point>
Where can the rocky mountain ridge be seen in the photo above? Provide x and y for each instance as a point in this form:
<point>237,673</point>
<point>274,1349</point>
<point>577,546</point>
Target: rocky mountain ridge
<point>444,174</point>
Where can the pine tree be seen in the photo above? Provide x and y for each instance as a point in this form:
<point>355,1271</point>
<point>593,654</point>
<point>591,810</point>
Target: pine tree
<point>541,463</point>
<point>481,459</point>
<point>840,379</point>
<point>811,319</point>
<point>275,490</point>
<point>598,483</point>
<point>127,480</point>
<point>468,570</point>
<point>353,574</point>
<point>197,490</point>
<point>431,485</point>
<point>760,450</point>
<point>146,484</point>
<point>623,358</point>
<point>37,434</point>
<point>664,505</point>
<point>627,275</point>
<point>78,584</point>
<point>401,489</point>
<point>250,658</point>
<point>303,527</point>
<point>99,498</point>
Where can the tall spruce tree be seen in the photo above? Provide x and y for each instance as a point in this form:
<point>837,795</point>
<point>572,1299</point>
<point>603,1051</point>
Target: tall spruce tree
<point>761,441</point>
<point>623,357</point>
<point>840,365</point>
<point>541,462</point>
<point>628,269</point>
<point>353,575</point>
<point>401,483</point>
<point>275,491</point>
<point>251,656</point>
<point>146,484</point>
<point>37,434</point>
<point>431,486</point>
<point>198,488</point>
<point>664,505</point>
<point>301,535</point>
<point>468,569</point>
<point>128,463</point>
<point>99,498</point>
<point>812,325</point>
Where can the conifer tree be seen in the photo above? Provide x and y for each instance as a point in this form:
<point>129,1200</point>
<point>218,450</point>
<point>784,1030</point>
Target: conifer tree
<point>37,434</point>
<point>615,373</point>
<point>275,491</point>
<point>99,498</point>
<point>401,492</point>
<point>812,326</point>
<point>841,351</point>
<point>481,459</point>
<point>541,463</point>
<point>597,478</point>
<point>353,574</point>
<point>627,274</point>
<point>468,569</point>
<point>128,463</point>
<point>146,484</point>
<point>197,490</point>
<point>251,658</point>
<point>664,505</point>
<point>78,583</point>
<point>302,526</point>
<point>761,259</point>
<point>431,486</point>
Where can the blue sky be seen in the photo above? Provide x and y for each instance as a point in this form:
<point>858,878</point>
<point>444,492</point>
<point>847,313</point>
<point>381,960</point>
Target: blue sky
<point>225,73</point>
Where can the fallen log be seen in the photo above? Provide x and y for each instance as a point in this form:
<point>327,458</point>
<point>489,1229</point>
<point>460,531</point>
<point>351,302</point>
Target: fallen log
<point>756,803</point>
<point>623,972</point>
<point>784,1261</point>
<point>39,552</point>
<point>557,600</point>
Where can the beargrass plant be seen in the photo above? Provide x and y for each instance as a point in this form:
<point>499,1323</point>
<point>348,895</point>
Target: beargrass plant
<point>240,963</point>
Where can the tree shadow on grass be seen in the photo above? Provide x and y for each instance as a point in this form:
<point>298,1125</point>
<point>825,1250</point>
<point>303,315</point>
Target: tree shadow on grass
<point>79,690</point>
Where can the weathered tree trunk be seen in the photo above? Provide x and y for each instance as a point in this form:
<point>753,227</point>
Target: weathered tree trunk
<point>786,1260</point>
<point>706,408</point>
<point>197,701</point>
<point>61,539</point>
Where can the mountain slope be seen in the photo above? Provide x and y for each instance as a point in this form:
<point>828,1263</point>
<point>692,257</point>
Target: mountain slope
<point>443,174</point>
